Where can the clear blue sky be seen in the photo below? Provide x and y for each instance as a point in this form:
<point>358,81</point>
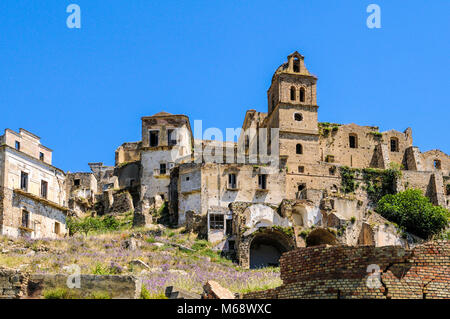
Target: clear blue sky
<point>84,90</point>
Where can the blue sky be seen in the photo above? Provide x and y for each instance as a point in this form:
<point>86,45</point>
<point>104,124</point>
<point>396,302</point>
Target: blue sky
<point>84,90</point>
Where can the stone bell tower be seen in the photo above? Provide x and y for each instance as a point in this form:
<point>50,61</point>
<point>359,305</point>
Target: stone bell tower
<point>292,107</point>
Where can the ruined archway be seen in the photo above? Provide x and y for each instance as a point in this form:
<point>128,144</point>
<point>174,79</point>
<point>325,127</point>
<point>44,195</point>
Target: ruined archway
<point>320,236</point>
<point>266,248</point>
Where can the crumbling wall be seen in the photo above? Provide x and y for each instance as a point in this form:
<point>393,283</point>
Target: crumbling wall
<point>12,283</point>
<point>423,272</point>
<point>128,152</point>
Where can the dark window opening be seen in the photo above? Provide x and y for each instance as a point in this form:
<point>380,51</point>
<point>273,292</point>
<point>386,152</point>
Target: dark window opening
<point>57,228</point>
<point>41,156</point>
<point>216,221</point>
<point>162,196</point>
<point>299,149</point>
<point>296,65</point>
<point>292,93</point>
<point>25,219</point>
<point>262,181</point>
<point>18,145</point>
<point>437,164</point>
<point>132,182</point>
<point>153,138</point>
<point>76,182</point>
<point>232,181</point>
<point>162,169</point>
<point>330,159</point>
<point>231,244</point>
<point>353,141</point>
<point>394,145</point>
<point>301,169</point>
<point>171,137</point>
<point>229,226</point>
<point>24,181</point>
<point>332,170</point>
<point>187,179</point>
<point>298,117</point>
<point>44,189</point>
<point>247,143</point>
<point>301,187</point>
<point>302,95</point>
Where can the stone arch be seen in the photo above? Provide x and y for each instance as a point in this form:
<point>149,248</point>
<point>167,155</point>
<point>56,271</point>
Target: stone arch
<point>265,247</point>
<point>320,236</point>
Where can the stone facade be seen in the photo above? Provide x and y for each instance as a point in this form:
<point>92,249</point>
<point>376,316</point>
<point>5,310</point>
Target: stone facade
<point>33,192</point>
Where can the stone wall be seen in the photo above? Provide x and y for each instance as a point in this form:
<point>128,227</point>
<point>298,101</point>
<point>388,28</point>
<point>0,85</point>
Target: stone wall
<point>43,215</point>
<point>15,284</point>
<point>12,283</point>
<point>342,272</point>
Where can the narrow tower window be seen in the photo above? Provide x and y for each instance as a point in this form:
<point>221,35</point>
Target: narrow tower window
<point>292,93</point>
<point>296,65</point>
<point>302,95</point>
<point>299,149</point>
<point>353,141</point>
<point>394,144</point>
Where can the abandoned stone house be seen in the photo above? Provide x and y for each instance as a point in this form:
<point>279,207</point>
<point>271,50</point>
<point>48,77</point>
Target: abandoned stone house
<point>32,191</point>
<point>290,194</point>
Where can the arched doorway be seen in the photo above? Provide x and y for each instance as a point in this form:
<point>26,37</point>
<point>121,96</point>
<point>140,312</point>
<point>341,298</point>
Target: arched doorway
<point>320,236</point>
<point>267,247</point>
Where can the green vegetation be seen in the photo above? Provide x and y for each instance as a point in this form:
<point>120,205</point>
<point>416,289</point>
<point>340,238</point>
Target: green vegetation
<point>376,134</point>
<point>289,231</point>
<point>162,215</point>
<point>348,176</point>
<point>414,213</point>
<point>378,182</point>
<point>101,269</point>
<point>65,293</point>
<point>326,128</point>
<point>99,224</point>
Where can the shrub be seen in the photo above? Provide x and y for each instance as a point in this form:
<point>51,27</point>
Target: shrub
<point>58,293</point>
<point>414,213</point>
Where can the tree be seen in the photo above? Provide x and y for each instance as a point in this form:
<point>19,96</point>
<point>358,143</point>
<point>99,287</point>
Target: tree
<point>414,213</point>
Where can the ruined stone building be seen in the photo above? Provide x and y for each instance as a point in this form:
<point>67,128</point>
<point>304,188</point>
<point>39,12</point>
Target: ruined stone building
<point>256,211</point>
<point>32,191</point>
<point>308,182</point>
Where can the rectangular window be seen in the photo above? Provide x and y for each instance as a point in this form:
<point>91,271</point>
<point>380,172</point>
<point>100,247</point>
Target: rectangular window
<point>44,188</point>
<point>76,182</point>
<point>301,169</point>
<point>41,156</point>
<point>25,219</point>
<point>171,138</point>
<point>154,136</point>
<point>232,181</point>
<point>262,181</point>
<point>352,141</point>
<point>162,169</point>
<point>18,145</point>
<point>216,221</point>
<point>24,181</point>
<point>57,228</point>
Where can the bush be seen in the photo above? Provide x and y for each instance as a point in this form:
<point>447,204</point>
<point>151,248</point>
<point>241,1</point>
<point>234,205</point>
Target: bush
<point>414,213</point>
<point>98,224</point>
